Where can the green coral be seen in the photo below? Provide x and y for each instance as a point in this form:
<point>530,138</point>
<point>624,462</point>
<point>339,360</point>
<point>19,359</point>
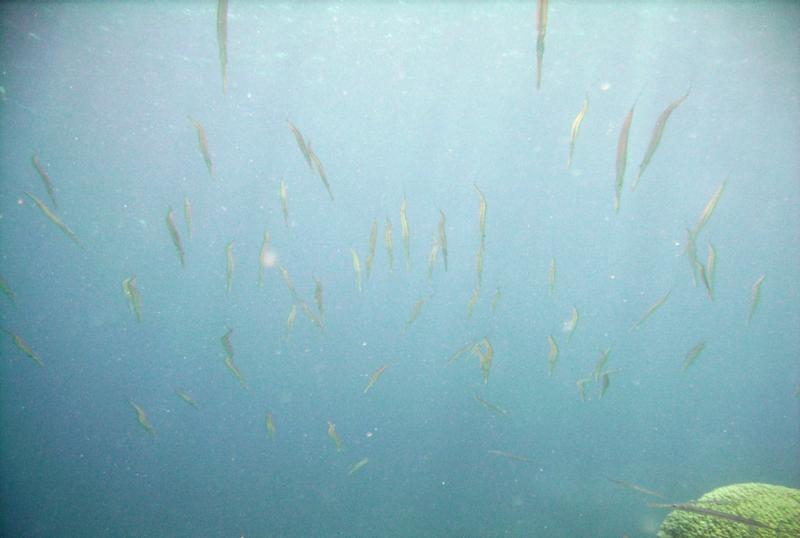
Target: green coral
<point>775,506</point>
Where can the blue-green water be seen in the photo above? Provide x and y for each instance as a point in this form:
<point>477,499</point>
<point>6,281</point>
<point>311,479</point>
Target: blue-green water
<point>397,100</point>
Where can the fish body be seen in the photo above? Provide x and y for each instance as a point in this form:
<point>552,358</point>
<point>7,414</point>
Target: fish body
<point>405,232</point>
<point>509,456</point>
<point>335,436</point>
<point>755,296</point>
<point>541,30</point>
<point>226,342</point>
<point>552,356</point>
<point>689,507</point>
<point>636,488</point>
<point>317,164</point>
<point>571,324</point>
<point>434,253</point>
<point>318,297</point>
<point>576,125</point>
<point>7,291</point>
<point>479,266</point>
<point>605,381</point>
<point>443,237</point>
<point>388,242</point>
<point>55,219</point>
<point>473,300</point>
<point>24,347</point>
<point>230,264</point>
<point>187,216</point>
<point>600,364</point>
<point>301,143</point>
<point>655,138</point>
<point>708,210</point>
<point>375,376</point>
<point>290,320</point>
<point>234,370</point>
<point>270,425</point>
<point>485,352</point>
<point>711,268</point>
<point>490,406</point>
<point>650,311</point>
<point>222,41</point>
<point>186,398</point>
<point>284,194</point>
<point>415,311</point>
<point>142,418</point>
<point>312,317</point>
<point>373,242</point>
<point>288,282</point>
<point>176,238</point>
<point>356,268</point>
<point>692,355</point>
<point>263,258</point>
<point>622,156</point>
<point>48,185</point>
<point>133,296</point>
<point>482,215</point>
<point>202,141</point>
<point>581,384</point>
<point>358,466</point>
<point>551,276</point>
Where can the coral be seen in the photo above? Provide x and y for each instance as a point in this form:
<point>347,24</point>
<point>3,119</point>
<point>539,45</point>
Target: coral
<point>777,507</point>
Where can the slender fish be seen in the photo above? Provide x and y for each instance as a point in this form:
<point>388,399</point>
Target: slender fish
<point>142,418</point>
<point>284,193</point>
<point>636,488</point>
<point>358,466</point>
<point>552,356</point>
<point>173,233</point>
<point>25,348</point>
<point>187,215</point>
<point>222,41</point>
<point>335,436</point>
<point>490,406</point>
<point>571,324</point>
<point>317,165</point>
<point>650,311</point>
<point>54,219</point>
<point>692,355</point>
<point>509,456</point>
<point>405,232</point>
<point>7,291</point>
<point>443,237</point>
<point>301,143</point>
<point>373,241</point>
<point>264,258</point>
<point>622,155</point>
<point>655,138</point>
<point>755,296</point>
<point>356,268</point>
<point>186,398</point>
<point>688,507</point>
<point>202,141</point>
<point>388,242</point>
<point>375,376</point>
<point>230,264</point>
<point>48,185</point>
<point>708,210</point>
<point>541,30</point>
<point>576,125</point>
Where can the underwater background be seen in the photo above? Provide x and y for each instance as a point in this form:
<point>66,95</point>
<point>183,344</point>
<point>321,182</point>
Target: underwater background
<point>421,102</point>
